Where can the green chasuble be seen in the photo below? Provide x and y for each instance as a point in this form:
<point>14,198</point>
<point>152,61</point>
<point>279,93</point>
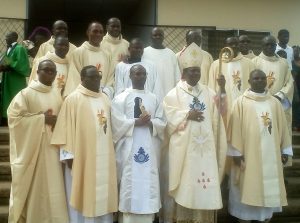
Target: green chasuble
<point>14,79</point>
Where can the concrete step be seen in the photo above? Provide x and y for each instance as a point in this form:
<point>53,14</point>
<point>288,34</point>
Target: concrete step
<point>296,151</point>
<point>4,153</point>
<point>4,192</point>
<point>4,136</point>
<point>293,187</point>
<point>5,168</point>
<point>296,138</point>
<point>3,213</point>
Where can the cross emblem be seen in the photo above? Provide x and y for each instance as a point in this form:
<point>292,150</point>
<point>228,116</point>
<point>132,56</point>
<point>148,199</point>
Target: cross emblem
<point>203,180</point>
<point>60,81</point>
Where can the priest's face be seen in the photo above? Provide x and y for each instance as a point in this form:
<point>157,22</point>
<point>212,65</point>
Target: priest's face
<point>91,79</point>
<point>244,42</point>
<point>269,46</point>
<point>233,43</point>
<point>258,81</point>
<point>114,27</point>
<point>157,36</point>
<point>60,28</point>
<point>192,75</point>
<point>138,76</point>
<point>136,49</point>
<point>46,72</point>
<point>193,36</point>
<point>95,34</point>
<point>61,46</point>
<point>284,38</point>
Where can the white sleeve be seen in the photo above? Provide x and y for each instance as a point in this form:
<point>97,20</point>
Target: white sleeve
<point>288,151</point>
<point>64,155</point>
<point>233,151</point>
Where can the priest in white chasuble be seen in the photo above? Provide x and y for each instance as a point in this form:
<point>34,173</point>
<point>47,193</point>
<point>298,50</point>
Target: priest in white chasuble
<point>138,130</point>
<point>236,73</point>
<point>61,48</point>
<point>197,148</point>
<point>280,82</point>
<point>165,61</point>
<point>37,189</point>
<point>259,144</point>
<point>122,71</point>
<point>244,45</point>
<point>194,36</point>
<point>114,45</point>
<point>89,53</point>
<point>83,133</point>
<point>59,28</point>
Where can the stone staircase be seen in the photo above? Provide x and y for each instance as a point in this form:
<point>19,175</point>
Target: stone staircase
<point>290,214</point>
<point>5,174</point>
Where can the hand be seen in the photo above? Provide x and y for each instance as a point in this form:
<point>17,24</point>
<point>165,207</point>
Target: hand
<point>284,158</point>
<point>195,116</point>
<point>50,119</point>
<point>277,97</point>
<point>144,120</point>
<point>238,160</point>
<point>221,82</point>
<point>70,163</point>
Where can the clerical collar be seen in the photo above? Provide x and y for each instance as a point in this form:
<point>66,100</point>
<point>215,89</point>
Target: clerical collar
<point>90,47</point>
<point>271,58</point>
<point>258,94</point>
<point>111,39</point>
<point>38,86</point>
<point>88,92</point>
<point>56,59</point>
<point>193,91</point>
<point>136,90</point>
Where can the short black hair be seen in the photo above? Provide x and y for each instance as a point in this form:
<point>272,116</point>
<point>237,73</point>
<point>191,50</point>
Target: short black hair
<point>283,31</point>
<point>45,61</point>
<point>84,70</point>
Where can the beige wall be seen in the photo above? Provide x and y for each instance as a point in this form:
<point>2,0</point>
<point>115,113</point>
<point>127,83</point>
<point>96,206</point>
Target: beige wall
<point>13,9</point>
<point>255,15</point>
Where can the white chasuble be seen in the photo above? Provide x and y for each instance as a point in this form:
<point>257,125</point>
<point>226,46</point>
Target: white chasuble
<point>196,164</point>
<point>83,56</point>
<point>83,129</point>
<point>138,151</point>
<point>37,189</point>
<point>236,73</point>
<point>61,64</point>
<point>258,131</point>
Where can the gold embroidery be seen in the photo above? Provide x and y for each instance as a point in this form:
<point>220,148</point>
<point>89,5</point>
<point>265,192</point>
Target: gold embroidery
<point>267,122</point>
<point>98,66</point>
<point>270,79</point>
<point>237,79</point>
<point>60,81</point>
<point>102,120</point>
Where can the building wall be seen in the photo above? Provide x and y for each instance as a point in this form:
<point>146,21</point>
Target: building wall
<point>256,15</point>
<point>13,9</point>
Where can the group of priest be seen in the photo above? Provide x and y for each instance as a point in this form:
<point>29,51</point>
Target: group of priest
<point>111,126</point>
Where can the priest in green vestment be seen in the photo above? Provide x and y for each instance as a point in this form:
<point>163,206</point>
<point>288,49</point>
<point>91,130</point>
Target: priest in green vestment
<point>15,67</point>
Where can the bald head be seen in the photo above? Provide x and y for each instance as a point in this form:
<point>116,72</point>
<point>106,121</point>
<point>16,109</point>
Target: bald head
<point>136,50</point>
<point>233,43</point>
<point>46,72</point>
<point>113,27</point>
<point>138,76</point>
<point>269,45</point>
<point>193,36</point>
<point>60,28</point>
<point>157,38</point>
<point>257,81</point>
<point>11,37</point>
<point>244,43</point>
